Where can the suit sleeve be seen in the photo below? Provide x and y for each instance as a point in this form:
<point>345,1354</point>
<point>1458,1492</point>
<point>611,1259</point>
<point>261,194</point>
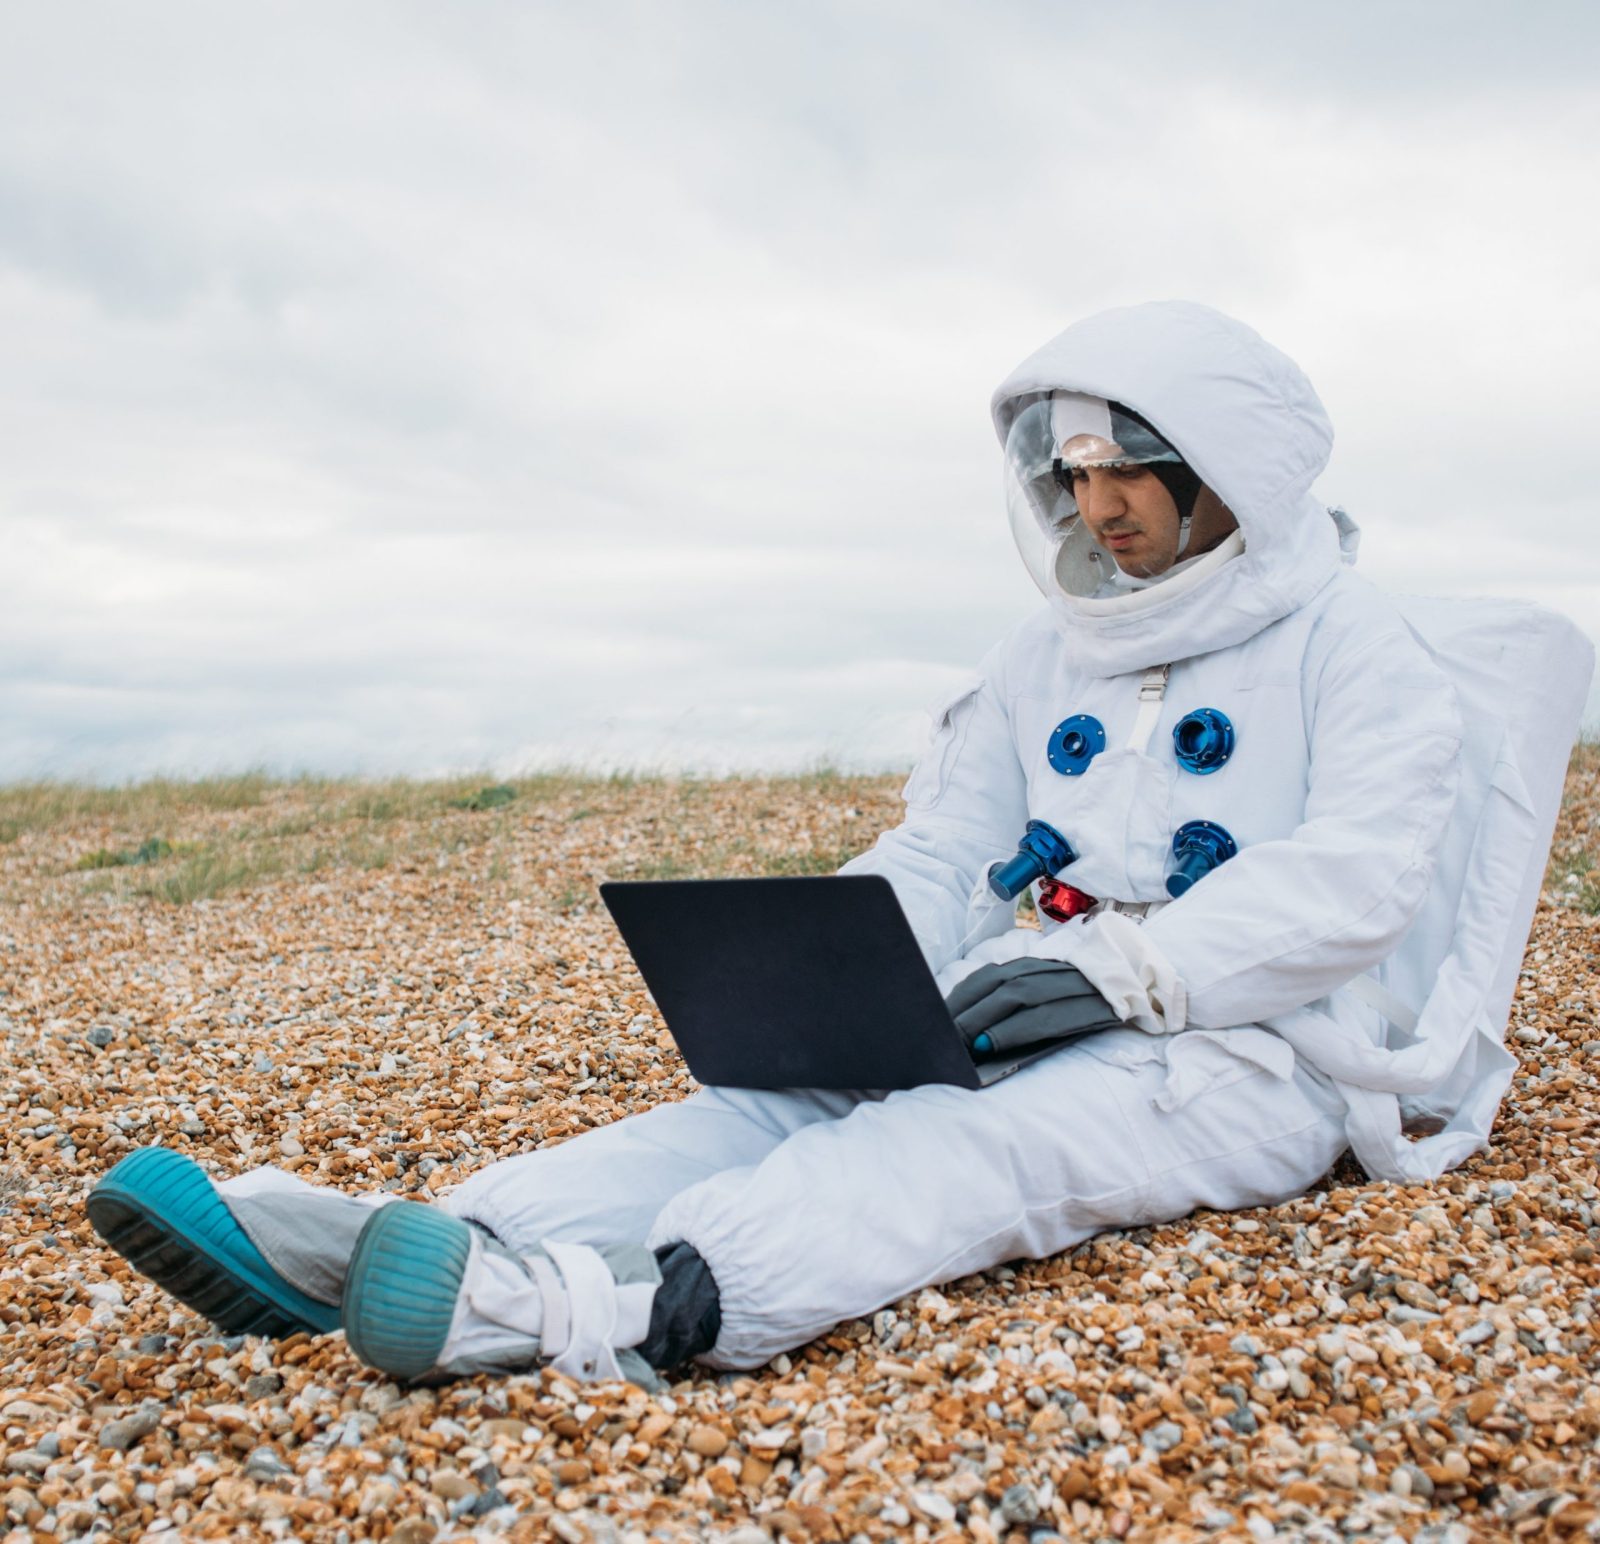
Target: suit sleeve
<point>966,805</point>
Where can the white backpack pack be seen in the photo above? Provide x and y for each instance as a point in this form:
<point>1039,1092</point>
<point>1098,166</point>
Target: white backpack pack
<point>1521,675</point>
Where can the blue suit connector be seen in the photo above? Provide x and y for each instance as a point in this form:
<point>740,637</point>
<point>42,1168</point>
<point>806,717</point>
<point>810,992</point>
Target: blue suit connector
<point>1042,853</point>
<point>1198,847</point>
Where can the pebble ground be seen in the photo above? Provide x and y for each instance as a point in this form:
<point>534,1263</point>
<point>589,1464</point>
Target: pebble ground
<point>377,989</point>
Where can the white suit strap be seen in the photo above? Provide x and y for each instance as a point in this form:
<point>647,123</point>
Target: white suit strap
<point>1378,997</point>
<point>498,1295</point>
<point>1152,691</point>
<point>555,1327</point>
<point>603,1316</point>
<point>1152,688</point>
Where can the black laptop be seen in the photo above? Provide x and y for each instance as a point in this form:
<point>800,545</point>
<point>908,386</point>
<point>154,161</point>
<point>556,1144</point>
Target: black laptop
<point>796,983</point>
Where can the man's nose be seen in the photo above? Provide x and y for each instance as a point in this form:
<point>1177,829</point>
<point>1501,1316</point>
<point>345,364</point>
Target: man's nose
<point>1099,498</point>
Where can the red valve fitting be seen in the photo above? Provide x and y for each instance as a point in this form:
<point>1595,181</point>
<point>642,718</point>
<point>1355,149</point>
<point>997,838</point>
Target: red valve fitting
<point>1063,902</point>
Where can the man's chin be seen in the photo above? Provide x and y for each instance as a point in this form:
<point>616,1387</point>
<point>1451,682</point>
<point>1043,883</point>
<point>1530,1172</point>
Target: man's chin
<point>1142,568</point>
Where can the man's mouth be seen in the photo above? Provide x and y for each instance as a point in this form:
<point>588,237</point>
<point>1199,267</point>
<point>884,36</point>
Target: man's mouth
<point>1120,540</point>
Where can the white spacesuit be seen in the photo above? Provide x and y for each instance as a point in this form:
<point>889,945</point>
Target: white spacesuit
<point>1331,763</point>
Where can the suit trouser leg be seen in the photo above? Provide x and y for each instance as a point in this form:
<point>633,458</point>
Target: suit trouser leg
<point>936,1182</point>
<point>604,1187</point>
<point>608,1185</point>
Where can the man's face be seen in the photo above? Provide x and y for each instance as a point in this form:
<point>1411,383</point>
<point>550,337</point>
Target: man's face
<point>1130,513</point>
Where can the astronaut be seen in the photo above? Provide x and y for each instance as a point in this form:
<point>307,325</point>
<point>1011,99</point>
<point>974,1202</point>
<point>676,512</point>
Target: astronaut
<point>1206,661</point>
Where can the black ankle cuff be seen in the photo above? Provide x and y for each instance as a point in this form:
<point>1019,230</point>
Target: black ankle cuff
<point>686,1315</point>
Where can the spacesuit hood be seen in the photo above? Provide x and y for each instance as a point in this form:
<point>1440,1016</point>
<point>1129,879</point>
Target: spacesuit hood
<point>1247,420</point>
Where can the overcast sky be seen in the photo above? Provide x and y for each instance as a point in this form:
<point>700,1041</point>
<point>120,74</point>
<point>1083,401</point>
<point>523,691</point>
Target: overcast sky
<point>440,386</point>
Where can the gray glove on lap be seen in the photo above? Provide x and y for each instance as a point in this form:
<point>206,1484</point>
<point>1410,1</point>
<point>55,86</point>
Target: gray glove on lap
<point>1001,1008</point>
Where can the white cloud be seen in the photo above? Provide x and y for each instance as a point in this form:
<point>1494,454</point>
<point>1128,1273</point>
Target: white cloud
<point>404,386</point>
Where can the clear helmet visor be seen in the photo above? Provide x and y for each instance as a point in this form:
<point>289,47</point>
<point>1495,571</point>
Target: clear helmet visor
<point>1050,438</point>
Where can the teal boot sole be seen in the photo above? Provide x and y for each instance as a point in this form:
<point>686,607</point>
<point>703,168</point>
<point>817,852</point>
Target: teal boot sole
<point>159,1210</point>
<point>400,1295</point>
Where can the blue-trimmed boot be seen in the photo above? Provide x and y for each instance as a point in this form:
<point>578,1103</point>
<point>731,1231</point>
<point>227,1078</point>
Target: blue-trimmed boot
<point>429,1296</point>
<point>160,1211</point>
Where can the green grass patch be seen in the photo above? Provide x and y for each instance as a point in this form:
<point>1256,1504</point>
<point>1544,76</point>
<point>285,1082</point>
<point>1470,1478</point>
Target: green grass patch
<point>44,805</point>
<point>208,874</point>
<point>151,850</point>
<point>491,797</point>
<point>224,835</point>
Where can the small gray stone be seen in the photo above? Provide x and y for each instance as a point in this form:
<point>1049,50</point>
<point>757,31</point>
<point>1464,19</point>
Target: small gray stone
<point>121,1434</point>
<point>193,1128</point>
<point>483,1503</point>
<point>264,1464</point>
<point>101,1035</point>
<point>1020,1505</point>
<point>263,1385</point>
<point>1481,1331</point>
<point>263,1062</point>
<point>1163,1437</point>
<point>49,1445</point>
<point>152,1345</point>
